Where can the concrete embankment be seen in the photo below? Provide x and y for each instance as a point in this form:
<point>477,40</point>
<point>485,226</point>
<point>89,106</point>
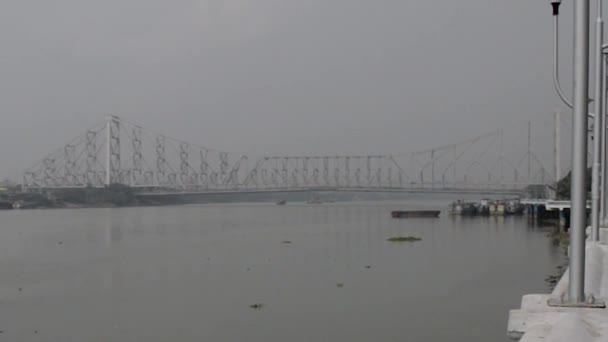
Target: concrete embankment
<point>537,321</point>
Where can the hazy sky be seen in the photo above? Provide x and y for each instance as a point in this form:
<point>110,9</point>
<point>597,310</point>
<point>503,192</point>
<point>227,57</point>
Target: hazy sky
<point>274,76</point>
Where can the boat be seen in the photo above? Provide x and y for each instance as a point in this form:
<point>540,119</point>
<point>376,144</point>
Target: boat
<point>497,208</point>
<point>484,207</point>
<point>415,213</point>
<point>281,202</point>
<point>464,208</point>
<point>514,207</point>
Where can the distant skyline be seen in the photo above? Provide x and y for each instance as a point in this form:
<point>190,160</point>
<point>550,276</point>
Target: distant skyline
<point>277,76</point>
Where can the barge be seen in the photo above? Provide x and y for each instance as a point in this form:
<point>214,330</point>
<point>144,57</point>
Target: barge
<point>415,213</point>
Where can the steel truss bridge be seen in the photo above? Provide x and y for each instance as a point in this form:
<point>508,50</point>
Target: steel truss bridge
<point>119,152</point>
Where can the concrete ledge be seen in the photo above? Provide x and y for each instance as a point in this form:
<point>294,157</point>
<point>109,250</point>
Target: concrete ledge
<point>537,321</point>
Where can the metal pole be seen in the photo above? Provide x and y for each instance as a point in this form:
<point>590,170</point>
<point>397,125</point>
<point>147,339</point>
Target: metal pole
<point>604,177</point>
<point>432,169</point>
<point>109,151</point>
<point>502,156</point>
<point>557,148</point>
<point>555,4</point>
<point>576,290</point>
<point>597,127</point>
<point>529,150</point>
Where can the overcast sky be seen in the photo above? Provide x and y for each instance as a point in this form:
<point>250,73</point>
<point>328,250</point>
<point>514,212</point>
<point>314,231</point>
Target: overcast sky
<point>274,76</point>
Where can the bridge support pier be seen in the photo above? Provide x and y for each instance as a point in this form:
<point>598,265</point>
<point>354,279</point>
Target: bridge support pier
<point>562,221</point>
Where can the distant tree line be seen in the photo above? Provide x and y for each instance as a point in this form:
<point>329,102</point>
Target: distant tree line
<point>563,186</point>
<point>117,195</point>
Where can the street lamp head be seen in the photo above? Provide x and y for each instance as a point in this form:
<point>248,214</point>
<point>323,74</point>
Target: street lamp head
<point>555,5</point>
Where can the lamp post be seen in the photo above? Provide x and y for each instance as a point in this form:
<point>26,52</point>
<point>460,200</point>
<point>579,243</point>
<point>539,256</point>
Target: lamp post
<point>555,4</point>
<point>576,289</point>
<point>578,207</point>
<point>599,188</point>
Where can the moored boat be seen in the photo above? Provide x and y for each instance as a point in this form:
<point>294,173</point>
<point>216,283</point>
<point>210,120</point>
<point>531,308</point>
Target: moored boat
<point>463,208</point>
<point>497,209</point>
<point>514,207</point>
<point>484,207</point>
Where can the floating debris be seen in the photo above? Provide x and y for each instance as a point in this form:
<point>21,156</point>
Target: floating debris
<point>552,279</point>
<point>404,239</point>
<point>256,306</point>
<point>20,289</point>
<point>339,285</point>
<point>61,242</point>
<point>286,242</point>
<point>368,267</point>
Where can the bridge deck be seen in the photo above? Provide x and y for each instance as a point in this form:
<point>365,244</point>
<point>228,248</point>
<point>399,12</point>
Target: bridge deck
<point>336,189</point>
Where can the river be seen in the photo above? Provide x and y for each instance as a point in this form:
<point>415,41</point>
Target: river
<point>318,272</point>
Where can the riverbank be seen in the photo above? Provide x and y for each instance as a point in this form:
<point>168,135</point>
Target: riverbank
<point>109,197</point>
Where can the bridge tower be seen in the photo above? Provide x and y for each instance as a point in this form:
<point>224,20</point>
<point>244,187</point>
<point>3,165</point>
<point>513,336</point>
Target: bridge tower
<point>113,150</point>
<point>91,175</point>
<point>161,161</point>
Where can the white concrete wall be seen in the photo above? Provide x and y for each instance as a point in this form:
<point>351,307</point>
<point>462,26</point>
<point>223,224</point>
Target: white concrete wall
<point>537,321</point>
